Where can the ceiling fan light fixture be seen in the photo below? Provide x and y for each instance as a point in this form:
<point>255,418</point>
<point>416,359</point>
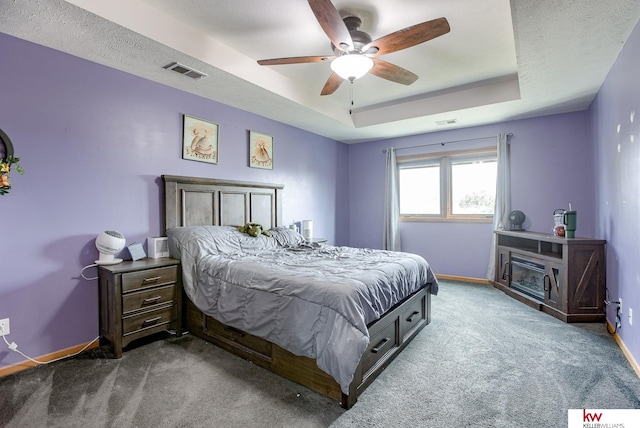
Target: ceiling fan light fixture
<point>351,66</point>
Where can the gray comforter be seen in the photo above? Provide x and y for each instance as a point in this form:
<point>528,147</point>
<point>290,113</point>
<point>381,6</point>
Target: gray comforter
<point>313,300</point>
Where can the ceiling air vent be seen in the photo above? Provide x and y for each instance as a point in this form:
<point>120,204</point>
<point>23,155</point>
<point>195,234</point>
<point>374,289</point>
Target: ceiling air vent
<point>446,122</point>
<point>187,71</point>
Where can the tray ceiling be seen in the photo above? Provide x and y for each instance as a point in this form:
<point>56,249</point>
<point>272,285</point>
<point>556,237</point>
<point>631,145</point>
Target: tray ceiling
<point>502,60</point>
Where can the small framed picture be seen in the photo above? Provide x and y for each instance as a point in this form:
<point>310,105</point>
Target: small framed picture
<point>260,150</point>
<point>200,140</point>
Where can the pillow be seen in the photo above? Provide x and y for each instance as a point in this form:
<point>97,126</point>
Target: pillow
<point>249,243</point>
<point>286,237</point>
<point>203,239</point>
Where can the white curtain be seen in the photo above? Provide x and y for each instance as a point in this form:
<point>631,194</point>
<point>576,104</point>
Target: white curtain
<point>503,200</point>
<point>391,237</point>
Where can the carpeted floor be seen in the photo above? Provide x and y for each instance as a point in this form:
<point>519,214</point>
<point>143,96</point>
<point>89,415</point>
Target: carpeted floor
<point>486,360</point>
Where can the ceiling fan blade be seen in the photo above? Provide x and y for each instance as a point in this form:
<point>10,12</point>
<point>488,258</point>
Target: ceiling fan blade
<point>392,72</point>
<point>332,84</point>
<point>295,60</point>
<point>408,37</point>
<point>332,24</point>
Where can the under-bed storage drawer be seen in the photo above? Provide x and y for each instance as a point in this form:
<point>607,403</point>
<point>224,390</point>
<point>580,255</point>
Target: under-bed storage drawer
<point>233,336</point>
<point>383,340</point>
<point>412,316</point>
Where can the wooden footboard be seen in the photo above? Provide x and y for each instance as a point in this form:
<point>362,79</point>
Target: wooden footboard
<point>389,335</point>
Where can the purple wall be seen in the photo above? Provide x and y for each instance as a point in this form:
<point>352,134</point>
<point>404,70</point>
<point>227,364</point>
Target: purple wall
<point>616,136</point>
<point>551,159</point>
<point>93,142</point>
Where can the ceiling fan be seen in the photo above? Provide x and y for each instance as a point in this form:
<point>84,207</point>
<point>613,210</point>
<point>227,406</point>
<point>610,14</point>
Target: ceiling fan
<point>355,52</point>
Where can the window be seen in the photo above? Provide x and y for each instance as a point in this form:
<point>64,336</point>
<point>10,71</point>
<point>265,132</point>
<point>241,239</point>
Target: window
<point>452,186</point>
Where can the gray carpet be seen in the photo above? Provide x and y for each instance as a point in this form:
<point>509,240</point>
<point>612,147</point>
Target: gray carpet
<point>486,360</point>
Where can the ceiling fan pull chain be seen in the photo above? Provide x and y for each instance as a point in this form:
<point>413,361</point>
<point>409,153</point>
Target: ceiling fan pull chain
<point>351,94</point>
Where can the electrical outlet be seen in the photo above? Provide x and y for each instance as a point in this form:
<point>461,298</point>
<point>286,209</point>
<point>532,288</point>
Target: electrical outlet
<point>6,327</point>
<point>630,316</point>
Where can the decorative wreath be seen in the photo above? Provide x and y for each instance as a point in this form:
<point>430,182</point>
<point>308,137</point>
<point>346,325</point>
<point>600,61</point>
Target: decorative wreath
<point>7,162</point>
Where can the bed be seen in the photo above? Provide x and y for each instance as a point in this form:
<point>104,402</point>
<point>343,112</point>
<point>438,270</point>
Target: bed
<point>330,318</point>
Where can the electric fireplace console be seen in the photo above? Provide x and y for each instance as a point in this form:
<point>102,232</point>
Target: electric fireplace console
<point>564,277</point>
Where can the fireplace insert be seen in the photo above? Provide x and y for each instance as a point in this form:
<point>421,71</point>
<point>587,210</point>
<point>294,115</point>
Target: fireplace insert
<point>528,276</point>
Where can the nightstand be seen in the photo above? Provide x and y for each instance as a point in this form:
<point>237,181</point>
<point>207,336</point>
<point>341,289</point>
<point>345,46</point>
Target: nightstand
<point>139,298</point>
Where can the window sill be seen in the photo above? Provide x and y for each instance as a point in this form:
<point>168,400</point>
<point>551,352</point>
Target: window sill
<point>422,219</point>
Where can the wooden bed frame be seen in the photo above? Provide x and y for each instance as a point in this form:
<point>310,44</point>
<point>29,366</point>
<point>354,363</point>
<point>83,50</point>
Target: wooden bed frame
<point>193,201</point>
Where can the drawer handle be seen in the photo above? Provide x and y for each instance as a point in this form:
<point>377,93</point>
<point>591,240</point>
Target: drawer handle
<point>153,299</point>
<point>151,321</point>
<point>380,345</point>
<point>154,279</point>
<point>412,316</point>
<point>234,331</point>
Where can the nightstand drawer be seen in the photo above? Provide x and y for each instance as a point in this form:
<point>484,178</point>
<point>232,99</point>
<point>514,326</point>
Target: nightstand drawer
<point>145,320</point>
<point>145,299</point>
<point>148,278</point>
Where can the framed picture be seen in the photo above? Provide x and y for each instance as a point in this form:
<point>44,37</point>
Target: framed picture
<point>200,140</point>
<point>260,150</point>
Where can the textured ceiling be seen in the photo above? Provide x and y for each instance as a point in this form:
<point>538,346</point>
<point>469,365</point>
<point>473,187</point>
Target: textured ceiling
<point>502,60</point>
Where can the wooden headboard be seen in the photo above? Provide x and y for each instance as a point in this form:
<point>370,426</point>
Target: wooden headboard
<point>193,201</point>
